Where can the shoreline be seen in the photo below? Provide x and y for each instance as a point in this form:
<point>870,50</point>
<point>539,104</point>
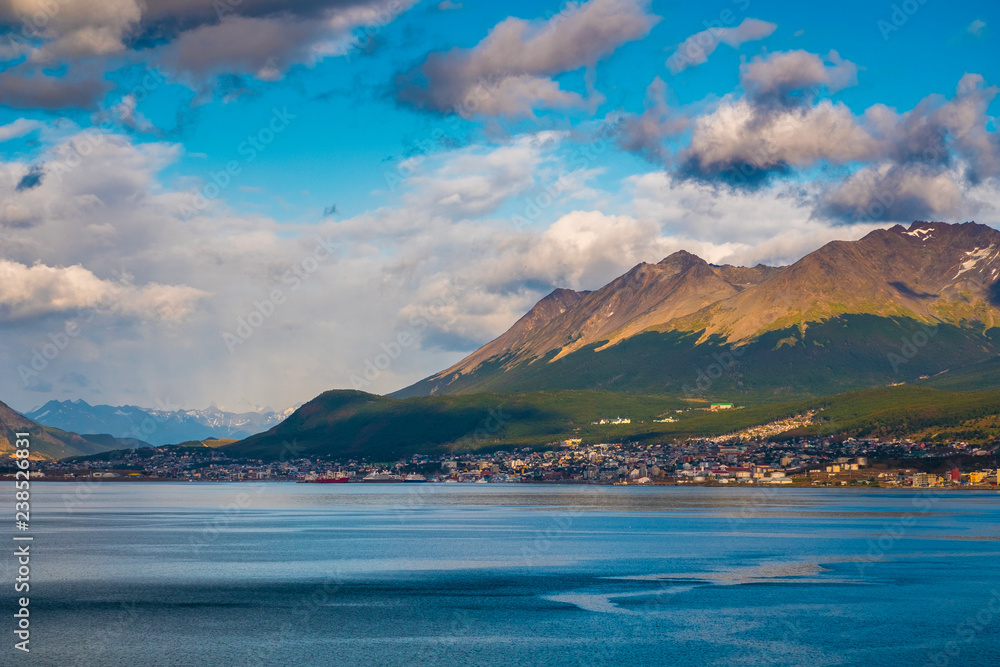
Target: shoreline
<point>698,485</point>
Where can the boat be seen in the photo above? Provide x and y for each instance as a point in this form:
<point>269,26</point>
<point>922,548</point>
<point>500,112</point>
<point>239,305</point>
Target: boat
<point>333,479</point>
<point>414,478</point>
<point>330,478</point>
<point>381,477</point>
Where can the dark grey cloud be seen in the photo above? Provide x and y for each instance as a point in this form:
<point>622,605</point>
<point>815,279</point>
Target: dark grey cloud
<point>926,159</point>
<point>917,164</point>
<point>792,77</point>
<point>89,27</point>
<point>38,91</point>
<point>893,192</point>
<point>262,47</point>
<point>645,133</point>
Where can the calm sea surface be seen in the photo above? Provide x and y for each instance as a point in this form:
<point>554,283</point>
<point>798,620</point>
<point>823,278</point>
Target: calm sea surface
<point>435,574</point>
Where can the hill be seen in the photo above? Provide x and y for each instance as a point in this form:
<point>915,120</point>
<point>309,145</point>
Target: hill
<point>895,306</point>
<point>351,424</point>
<point>52,443</point>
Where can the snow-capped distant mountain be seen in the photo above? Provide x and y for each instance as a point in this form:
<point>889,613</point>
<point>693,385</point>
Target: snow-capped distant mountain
<point>158,427</point>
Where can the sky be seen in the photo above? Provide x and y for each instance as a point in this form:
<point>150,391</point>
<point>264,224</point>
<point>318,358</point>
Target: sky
<point>244,203</point>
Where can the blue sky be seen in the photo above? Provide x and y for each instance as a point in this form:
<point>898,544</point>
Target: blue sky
<point>591,147</point>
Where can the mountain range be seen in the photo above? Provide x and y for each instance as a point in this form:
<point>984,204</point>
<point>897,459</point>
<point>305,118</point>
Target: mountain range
<point>837,331</point>
<point>157,427</point>
<point>53,443</point>
<point>899,305</point>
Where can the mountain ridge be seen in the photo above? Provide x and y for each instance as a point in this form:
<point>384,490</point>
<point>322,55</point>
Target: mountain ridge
<point>53,443</point>
<point>158,427</point>
<point>930,274</point>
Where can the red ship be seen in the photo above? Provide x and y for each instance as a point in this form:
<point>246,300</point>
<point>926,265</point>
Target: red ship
<point>333,479</point>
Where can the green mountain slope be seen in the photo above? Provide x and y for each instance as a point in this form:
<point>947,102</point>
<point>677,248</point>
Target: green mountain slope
<point>349,424</point>
<point>839,354</point>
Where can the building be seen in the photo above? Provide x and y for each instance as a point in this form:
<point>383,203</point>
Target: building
<point>925,480</point>
<point>616,420</point>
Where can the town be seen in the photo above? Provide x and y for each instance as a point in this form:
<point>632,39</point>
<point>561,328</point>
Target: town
<point>867,462</point>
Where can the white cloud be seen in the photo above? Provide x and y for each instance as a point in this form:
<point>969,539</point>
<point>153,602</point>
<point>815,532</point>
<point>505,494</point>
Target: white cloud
<point>696,49</point>
<point>509,72</point>
<point>735,136</point>
<point>38,290</point>
<point>773,225</point>
<point>19,128</point>
<point>473,182</point>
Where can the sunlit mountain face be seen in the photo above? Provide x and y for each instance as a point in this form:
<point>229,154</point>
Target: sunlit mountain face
<point>848,315</point>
